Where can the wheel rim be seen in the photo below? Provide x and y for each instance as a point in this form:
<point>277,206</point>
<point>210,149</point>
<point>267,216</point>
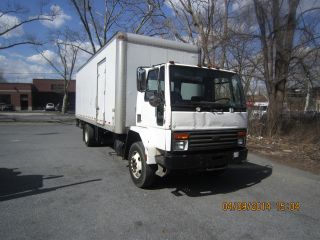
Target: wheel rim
<point>136,164</point>
<point>86,136</point>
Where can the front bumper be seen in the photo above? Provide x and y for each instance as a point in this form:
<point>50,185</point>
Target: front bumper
<point>202,160</point>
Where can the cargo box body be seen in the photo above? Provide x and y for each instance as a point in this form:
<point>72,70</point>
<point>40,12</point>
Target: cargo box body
<point>106,89</point>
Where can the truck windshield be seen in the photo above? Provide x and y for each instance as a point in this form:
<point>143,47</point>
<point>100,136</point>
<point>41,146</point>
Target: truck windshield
<point>208,89</point>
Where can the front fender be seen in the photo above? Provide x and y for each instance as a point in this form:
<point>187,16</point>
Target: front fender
<point>149,141</point>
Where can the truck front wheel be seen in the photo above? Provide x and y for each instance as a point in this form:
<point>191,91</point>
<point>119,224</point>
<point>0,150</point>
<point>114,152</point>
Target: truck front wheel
<point>88,135</point>
<point>141,173</point>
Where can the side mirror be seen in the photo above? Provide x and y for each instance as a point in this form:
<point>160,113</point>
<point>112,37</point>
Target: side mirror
<point>141,79</point>
<point>154,100</point>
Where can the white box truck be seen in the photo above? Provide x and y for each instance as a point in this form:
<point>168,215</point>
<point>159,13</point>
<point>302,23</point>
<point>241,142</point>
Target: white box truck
<point>161,110</point>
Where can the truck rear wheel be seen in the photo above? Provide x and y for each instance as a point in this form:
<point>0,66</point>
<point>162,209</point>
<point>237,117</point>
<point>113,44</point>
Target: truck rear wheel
<point>141,173</point>
<point>88,135</point>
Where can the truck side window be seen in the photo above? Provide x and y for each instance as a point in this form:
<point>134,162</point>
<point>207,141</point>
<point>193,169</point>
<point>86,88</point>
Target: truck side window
<point>152,84</point>
<point>152,80</point>
<point>160,109</point>
<point>161,78</point>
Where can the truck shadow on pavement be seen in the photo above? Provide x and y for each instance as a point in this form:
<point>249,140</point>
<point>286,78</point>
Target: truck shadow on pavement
<point>14,185</point>
<point>207,183</point>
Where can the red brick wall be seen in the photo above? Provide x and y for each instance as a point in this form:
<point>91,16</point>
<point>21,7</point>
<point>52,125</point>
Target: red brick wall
<point>15,86</point>
<point>15,90</point>
<point>45,85</point>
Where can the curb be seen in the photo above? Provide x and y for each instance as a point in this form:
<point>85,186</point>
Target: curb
<point>13,120</point>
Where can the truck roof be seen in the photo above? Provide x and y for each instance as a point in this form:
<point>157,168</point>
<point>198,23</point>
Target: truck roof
<point>146,40</point>
<point>219,69</point>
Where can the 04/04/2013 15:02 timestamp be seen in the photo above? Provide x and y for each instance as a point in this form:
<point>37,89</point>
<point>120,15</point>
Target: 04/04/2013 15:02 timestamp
<point>280,206</point>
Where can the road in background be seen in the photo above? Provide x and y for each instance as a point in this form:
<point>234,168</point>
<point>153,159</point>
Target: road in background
<point>36,116</point>
<point>53,187</point>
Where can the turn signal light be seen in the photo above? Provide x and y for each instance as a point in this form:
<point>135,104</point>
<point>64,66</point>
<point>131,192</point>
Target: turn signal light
<point>242,134</point>
<point>181,136</point>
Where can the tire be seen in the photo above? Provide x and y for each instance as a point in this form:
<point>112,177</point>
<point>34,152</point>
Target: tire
<point>88,135</point>
<point>217,173</point>
<point>142,174</point>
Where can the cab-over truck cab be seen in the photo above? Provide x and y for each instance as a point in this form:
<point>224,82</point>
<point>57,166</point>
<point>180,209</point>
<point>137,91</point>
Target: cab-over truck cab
<point>187,117</point>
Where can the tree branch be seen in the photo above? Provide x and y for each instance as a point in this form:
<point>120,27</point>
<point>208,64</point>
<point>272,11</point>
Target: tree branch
<point>38,18</point>
<point>19,43</point>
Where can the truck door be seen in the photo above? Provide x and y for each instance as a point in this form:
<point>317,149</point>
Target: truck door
<point>150,117</point>
<point>153,116</point>
<point>101,91</point>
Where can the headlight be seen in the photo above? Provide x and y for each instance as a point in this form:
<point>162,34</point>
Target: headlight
<point>242,138</point>
<point>180,141</point>
<point>180,145</point>
<point>241,141</point>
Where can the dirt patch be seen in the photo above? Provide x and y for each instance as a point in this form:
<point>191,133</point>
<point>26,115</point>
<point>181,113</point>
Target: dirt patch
<point>305,156</point>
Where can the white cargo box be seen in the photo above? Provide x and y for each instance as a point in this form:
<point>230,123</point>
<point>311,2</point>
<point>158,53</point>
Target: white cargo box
<point>106,85</point>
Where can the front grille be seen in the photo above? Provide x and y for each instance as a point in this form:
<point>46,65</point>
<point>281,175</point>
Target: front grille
<point>213,139</point>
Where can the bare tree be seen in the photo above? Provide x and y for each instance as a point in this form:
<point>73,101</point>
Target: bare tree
<point>277,23</point>
<point>96,23</point>
<point>305,66</point>
<point>145,17</point>
<point>242,53</point>
<point>118,15</point>
<point>225,38</point>
<point>244,59</point>
<point>305,74</point>
<point>20,16</point>
<point>194,22</point>
<point>65,64</point>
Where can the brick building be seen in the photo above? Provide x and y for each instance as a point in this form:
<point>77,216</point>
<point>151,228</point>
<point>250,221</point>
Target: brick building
<point>35,95</point>
<point>51,91</point>
<point>17,94</point>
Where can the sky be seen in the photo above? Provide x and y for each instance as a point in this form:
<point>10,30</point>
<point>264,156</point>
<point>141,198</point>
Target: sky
<point>23,63</point>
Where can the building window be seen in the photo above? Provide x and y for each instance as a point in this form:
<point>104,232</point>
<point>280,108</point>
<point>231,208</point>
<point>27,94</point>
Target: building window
<point>57,88</point>
<point>5,98</point>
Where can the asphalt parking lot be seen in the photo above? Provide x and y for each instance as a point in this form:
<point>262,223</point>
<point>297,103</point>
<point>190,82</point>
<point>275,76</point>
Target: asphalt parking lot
<point>36,116</point>
<point>53,187</point>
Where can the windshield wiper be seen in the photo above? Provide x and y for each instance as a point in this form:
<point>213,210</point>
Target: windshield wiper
<point>216,110</point>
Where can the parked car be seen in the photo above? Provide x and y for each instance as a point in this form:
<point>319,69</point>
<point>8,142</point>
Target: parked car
<point>2,106</point>
<point>50,107</point>
<point>259,109</point>
<point>6,107</point>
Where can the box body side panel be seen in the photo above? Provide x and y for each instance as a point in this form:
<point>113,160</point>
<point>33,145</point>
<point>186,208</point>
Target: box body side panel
<point>86,88</point>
